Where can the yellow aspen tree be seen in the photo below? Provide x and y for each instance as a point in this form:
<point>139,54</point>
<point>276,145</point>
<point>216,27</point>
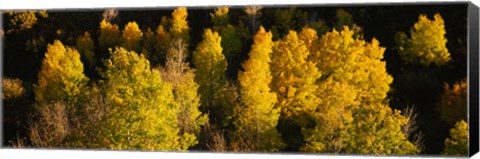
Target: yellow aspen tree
<point>61,76</point>
<point>294,77</point>
<point>256,116</point>
<point>426,44</point>
<point>457,143</point>
<point>220,17</point>
<point>178,73</point>
<point>131,37</point>
<point>353,93</point>
<point>85,46</point>
<point>179,25</point>
<point>109,35</point>
<point>211,65</point>
<point>453,102</point>
<point>142,112</point>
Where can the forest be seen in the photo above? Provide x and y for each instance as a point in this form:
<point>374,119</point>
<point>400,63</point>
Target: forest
<point>366,79</point>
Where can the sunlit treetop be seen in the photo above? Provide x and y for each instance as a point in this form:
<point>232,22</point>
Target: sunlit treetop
<point>220,16</point>
<point>61,76</point>
<point>179,24</point>
<point>109,35</point>
<point>457,143</point>
<point>426,44</point>
<point>132,36</point>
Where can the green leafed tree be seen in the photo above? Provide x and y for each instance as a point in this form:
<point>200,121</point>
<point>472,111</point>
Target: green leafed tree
<point>231,43</point>
<point>211,65</point>
<point>131,37</point>
<point>426,44</point>
<point>85,46</point>
<point>61,75</point>
<point>257,116</point>
<point>457,143</point>
<point>142,112</point>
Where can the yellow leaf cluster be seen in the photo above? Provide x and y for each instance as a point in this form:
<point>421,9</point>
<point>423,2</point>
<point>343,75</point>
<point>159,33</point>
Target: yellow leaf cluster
<point>427,42</point>
<point>61,76</point>
<point>109,35</point>
<point>211,66</point>
<point>256,117</point>
<point>294,76</point>
<point>143,112</point>
<point>12,88</point>
<point>132,36</point>
<point>457,143</point>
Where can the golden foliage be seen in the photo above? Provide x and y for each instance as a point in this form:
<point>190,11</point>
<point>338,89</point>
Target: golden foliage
<point>256,117</point>
<point>453,102</point>
<point>294,76</point>
<point>351,115</point>
<point>132,36</point>
<point>211,66</point>
<point>12,88</point>
<point>109,35</point>
<point>61,76</point>
<point>427,42</point>
<point>457,143</point>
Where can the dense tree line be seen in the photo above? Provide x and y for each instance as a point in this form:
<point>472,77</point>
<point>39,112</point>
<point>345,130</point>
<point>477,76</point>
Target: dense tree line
<point>249,79</point>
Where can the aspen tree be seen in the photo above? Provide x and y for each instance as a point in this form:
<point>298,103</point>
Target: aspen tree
<point>142,112</point>
<point>256,117</point>
<point>426,44</point>
<point>211,65</point>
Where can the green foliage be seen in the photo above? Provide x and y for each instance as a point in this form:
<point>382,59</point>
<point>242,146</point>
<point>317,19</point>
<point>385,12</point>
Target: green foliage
<point>220,17</point>
<point>142,113</point>
<point>256,117</point>
<point>85,46</point>
<point>61,76</point>
<point>178,73</point>
<point>286,20</point>
<point>12,88</point>
<point>109,35</point>
<point>343,19</point>
<point>457,144</point>
<point>148,46</point>
<point>131,37</point>
<point>319,26</point>
<point>211,66</point>
<point>426,44</point>
<point>230,39</point>
<point>453,102</point>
